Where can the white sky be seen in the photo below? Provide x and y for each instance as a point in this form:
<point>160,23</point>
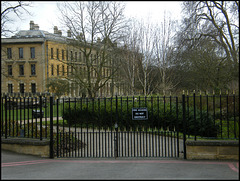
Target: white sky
<point>45,13</point>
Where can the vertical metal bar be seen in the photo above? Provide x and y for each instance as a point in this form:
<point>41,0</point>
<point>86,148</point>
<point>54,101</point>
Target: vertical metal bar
<point>105,126</point>
<point>165,126</point>
<point>116,127</point>
<point>102,145</point>
<point>220,97</point>
<point>187,114</point>
<point>24,118</point>
<point>28,117</point>
<point>32,115</point>
<point>234,115</point>
<point>227,115</point>
<point>201,117</point>
<point>46,114</point>
<point>140,141</point>
<point>207,113</point>
<point>36,135</point>
<point>146,136</point>
<point>60,142</point>
<point>51,128</point>
<point>133,136</point>
<point>99,114</point>
<point>78,144</point>
<point>122,125</point>
<point>177,128</point>
<point>90,150</point>
<point>20,102</point>
<point>93,125</point>
<point>85,142</point>
<point>134,143</point>
<point>40,116</point>
<point>72,144</point>
<point>158,126</point>
<point>81,130</point>
<point>6,116</point>
<point>63,130</point>
<point>57,127</point>
<point>184,126</point>
<point>2,118</point>
<point>69,130</point>
<point>171,145</point>
<point>194,115</point>
<point>214,113</point>
<point>112,144</point>
<point>75,126</point>
<point>13,117</point>
<point>128,139</point>
<point>152,125</point>
<point>16,117</point>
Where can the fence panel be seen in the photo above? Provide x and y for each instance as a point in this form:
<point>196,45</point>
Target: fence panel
<point>103,127</point>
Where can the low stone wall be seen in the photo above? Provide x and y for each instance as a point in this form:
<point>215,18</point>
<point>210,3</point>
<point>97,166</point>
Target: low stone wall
<point>212,149</point>
<point>27,146</point>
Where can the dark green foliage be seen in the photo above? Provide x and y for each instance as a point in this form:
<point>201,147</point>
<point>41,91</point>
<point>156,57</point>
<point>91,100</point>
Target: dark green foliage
<point>163,116</point>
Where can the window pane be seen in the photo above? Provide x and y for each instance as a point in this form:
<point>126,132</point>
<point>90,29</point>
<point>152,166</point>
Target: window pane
<point>63,70</point>
<point>21,87</point>
<point>57,54</point>
<point>52,69</point>
<point>57,69</point>
<point>33,86</point>
<point>9,53</point>
<point>20,52</point>
<point>51,53</point>
<point>33,69</point>
<point>21,69</point>
<point>10,88</point>
<point>9,69</point>
<point>62,54</point>
<point>32,50</point>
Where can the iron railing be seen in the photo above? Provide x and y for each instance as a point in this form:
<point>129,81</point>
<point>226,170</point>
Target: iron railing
<point>103,127</point>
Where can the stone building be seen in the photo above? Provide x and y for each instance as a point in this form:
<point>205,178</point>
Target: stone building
<point>32,57</point>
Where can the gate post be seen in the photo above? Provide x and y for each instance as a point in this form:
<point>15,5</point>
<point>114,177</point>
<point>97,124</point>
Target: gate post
<point>51,128</point>
<point>184,125</point>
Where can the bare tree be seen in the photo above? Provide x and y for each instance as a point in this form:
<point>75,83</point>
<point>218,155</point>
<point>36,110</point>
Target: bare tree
<point>218,21</point>
<point>9,9</point>
<point>163,47</point>
<point>96,27</point>
<point>145,47</point>
<point>129,58</point>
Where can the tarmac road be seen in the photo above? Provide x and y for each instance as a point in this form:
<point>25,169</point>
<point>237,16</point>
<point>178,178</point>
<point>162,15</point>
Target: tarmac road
<point>19,166</point>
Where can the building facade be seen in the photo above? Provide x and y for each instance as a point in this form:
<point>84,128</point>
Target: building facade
<point>33,57</point>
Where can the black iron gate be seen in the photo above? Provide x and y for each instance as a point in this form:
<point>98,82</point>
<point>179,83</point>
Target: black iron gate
<point>105,127</point>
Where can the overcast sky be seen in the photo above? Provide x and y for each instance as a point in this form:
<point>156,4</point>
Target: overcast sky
<point>45,13</point>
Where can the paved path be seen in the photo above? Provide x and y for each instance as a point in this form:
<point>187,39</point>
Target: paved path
<point>18,166</point>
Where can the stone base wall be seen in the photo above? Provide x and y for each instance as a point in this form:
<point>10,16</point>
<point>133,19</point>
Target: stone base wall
<point>216,150</point>
<point>27,146</point>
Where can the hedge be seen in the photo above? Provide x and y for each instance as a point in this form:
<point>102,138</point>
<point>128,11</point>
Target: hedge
<point>104,114</point>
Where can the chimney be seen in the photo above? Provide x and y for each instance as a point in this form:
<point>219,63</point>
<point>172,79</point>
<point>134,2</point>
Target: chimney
<point>31,25</point>
<point>55,30</point>
<point>69,33</point>
<point>60,32</point>
<point>36,27</point>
